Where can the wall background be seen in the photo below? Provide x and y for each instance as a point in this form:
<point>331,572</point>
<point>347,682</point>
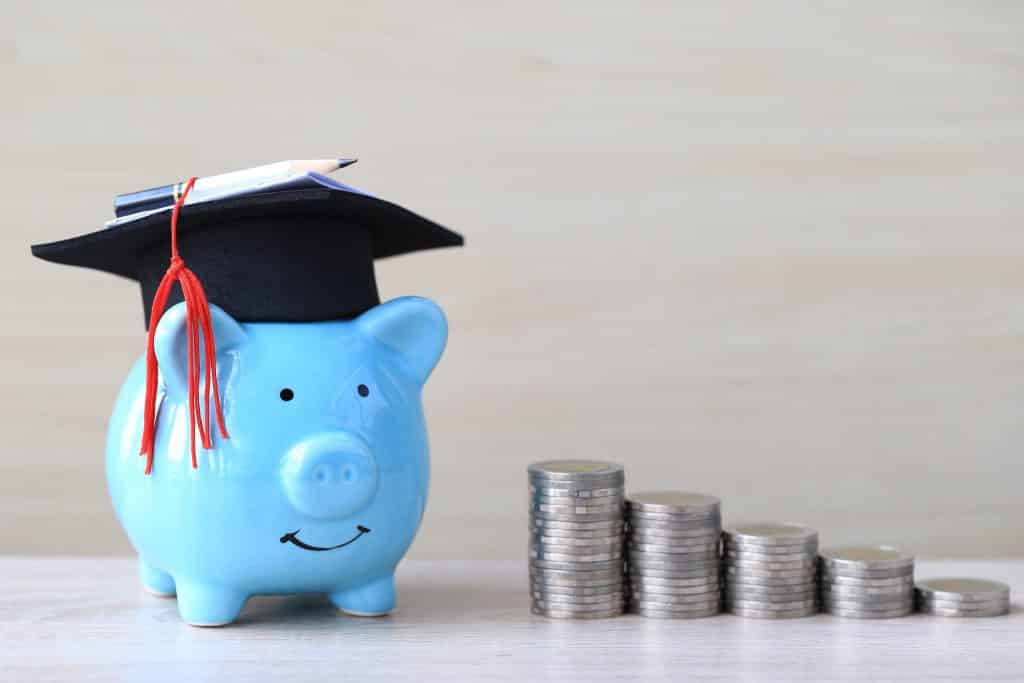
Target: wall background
<point>772,252</point>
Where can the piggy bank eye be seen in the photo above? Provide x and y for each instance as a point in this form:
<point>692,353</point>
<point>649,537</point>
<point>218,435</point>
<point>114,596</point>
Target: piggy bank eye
<point>363,390</point>
<point>287,394</point>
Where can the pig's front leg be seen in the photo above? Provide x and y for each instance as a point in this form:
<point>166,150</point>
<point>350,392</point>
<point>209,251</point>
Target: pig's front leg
<point>373,599</point>
<point>156,581</point>
<point>203,604</point>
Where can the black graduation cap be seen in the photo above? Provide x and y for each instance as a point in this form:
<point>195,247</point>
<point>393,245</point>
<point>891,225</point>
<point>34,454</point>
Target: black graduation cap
<point>297,255</point>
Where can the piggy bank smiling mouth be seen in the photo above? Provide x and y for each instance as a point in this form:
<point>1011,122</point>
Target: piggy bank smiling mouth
<point>293,538</point>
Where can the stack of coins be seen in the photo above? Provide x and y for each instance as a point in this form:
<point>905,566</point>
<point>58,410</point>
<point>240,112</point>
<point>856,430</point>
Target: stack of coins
<point>867,582</point>
<point>672,550</point>
<point>963,598</point>
<point>770,570</point>
<point>576,535</point>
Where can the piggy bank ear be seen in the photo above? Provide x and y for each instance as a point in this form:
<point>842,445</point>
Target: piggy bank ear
<point>171,344</point>
<point>413,326</point>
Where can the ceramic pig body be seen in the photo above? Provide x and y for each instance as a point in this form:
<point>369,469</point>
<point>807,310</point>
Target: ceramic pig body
<point>322,484</point>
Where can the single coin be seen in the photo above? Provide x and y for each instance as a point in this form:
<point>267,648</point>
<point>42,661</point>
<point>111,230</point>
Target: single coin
<point>614,502</point>
<point>785,594</point>
<point>574,580</point>
<point>753,613</point>
<point>646,535</point>
<point>675,602</point>
<point>707,573</point>
<point>668,519</point>
<point>861,582</point>
<point>536,515</point>
<point>616,603</point>
<point>662,613</point>
<point>576,565</point>
<point>555,613</point>
<point>769,605</point>
<point>606,599</point>
<point>861,592</point>
<point>827,572</point>
<point>674,502</point>
<point>765,566</point>
<point>865,557</point>
<point>867,614</point>
<point>578,508</point>
<point>756,549</point>
<point>653,581</point>
<point>576,492</point>
<point>769,581</point>
<point>575,470</point>
<point>674,548</point>
<point>539,554</point>
<point>771,533</point>
<point>742,556</point>
<point>655,589</point>
<point>807,574</point>
<point>929,603</point>
<point>585,542</point>
<point>541,587</point>
<point>994,611</point>
<point>887,606</point>
<point>669,562</point>
<point>963,589</point>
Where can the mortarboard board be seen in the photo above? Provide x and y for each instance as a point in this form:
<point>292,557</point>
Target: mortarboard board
<point>283,256</point>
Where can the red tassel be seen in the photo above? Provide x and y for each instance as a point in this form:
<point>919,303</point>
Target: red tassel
<point>197,319</point>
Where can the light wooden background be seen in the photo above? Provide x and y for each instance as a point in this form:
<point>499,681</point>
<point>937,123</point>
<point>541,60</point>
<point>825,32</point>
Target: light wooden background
<point>772,251</point>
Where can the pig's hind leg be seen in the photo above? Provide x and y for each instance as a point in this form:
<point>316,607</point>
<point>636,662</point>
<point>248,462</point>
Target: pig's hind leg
<point>156,581</point>
<point>373,599</point>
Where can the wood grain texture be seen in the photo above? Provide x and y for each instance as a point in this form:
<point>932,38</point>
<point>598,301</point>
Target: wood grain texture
<point>88,619</point>
<point>770,251</point>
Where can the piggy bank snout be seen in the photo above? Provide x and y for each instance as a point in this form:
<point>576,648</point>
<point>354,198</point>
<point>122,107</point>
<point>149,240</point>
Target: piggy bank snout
<point>330,476</point>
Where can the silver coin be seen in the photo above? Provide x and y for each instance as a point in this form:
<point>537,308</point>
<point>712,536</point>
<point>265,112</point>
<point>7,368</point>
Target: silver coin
<point>577,566</point>
<point>575,469</point>
<point>963,590</point>
<point>581,517</point>
<point>704,557</point>
<point>675,502</point>
<point>554,603</point>
<point>869,602</point>
<point>771,605</point>
<point>574,492</point>
<point>993,611</point>
<point>867,614</point>
<point>675,602</point>
<point>575,541</point>
<point>616,502</point>
<point>807,574</point>
<point>861,592</point>
<point>541,587</point>
<point>674,548</point>
<point>578,508</point>
<point>661,613</point>
<point>682,521</point>
<point>865,558</point>
<point>927,603</point>
<point>675,574</point>
<point>699,582</point>
<point>556,599</point>
<point>563,585</point>
<point>765,566</point>
<point>647,535</point>
<point>800,548</point>
<point>743,556</point>
<point>771,533</point>
<point>827,572</point>
<point>751,612</point>
<point>769,581</point>
<point>775,594</point>
<point>567,556</point>
<point>611,525</point>
<point>656,589</point>
<point>555,613</point>
<point>861,582</point>
<point>886,606</point>
<point>651,561</point>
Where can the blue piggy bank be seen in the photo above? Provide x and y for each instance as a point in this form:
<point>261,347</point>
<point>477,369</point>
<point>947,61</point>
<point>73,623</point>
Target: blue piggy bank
<point>320,487</point>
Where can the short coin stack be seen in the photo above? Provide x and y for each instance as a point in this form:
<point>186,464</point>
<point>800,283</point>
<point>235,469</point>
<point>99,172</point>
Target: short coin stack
<point>672,549</point>
<point>576,532</point>
<point>956,597</point>
<point>867,582</point>
<point>770,570</point>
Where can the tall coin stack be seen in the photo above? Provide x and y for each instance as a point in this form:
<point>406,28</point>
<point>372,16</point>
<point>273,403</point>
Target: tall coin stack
<point>672,550</point>
<point>770,570</point>
<point>576,532</point>
<point>867,582</point>
<point>963,597</point>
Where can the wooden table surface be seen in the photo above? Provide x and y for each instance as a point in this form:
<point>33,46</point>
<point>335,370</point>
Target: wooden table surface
<point>88,619</point>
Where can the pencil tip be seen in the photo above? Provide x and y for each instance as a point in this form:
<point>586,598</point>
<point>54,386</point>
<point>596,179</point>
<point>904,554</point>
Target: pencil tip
<point>342,163</point>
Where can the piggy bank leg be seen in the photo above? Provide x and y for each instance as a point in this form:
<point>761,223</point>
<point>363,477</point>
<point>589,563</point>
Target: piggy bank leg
<point>369,600</point>
<point>201,604</point>
<point>156,581</point>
